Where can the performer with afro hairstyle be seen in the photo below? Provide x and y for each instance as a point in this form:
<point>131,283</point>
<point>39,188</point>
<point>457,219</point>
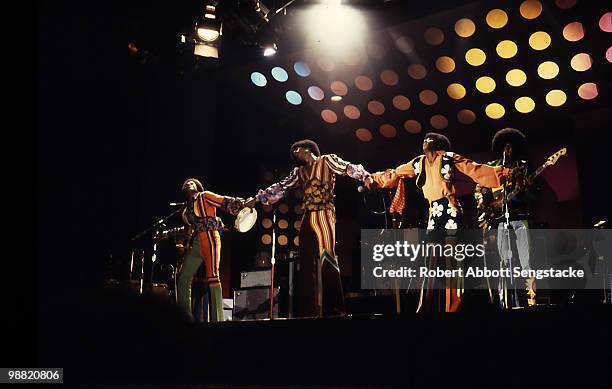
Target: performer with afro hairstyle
<point>319,283</point>
<point>434,171</point>
<point>510,145</point>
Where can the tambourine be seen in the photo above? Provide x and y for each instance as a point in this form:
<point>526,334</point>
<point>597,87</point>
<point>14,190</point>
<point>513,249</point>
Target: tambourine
<point>245,220</point>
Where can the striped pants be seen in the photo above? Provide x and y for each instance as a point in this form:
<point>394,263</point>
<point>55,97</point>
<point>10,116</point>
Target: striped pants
<point>319,289</point>
<point>206,250</point>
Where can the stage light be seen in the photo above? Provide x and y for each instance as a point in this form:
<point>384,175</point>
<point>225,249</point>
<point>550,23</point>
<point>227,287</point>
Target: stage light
<point>524,104</point>
<point>364,135</point>
<point>298,209</point>
<point>301,69</point>
<point>465,28</point>
<point>283,224</point>
<point>548,70</point>
<point>297,224</point>
<point>599,224</point>
<point>466,116</point>
<point>428,97</point>
<point>282,240</point>
<point>497,18</point>
<point>434,36</point>
<point>209,28</point>
<point>506,49</point>
<point>539,40</point>
<point>376,108</point>
<point>388,131</point>
<point>609,54</point>
<point>279,74</point>
<point>439,122</point>
<point>530,9</point>
<point>417,71</point>
<point>445,64</point>
<point>293,97</point>
<point>401,102</point>
<point>455,91</point>
<point>573,32</point>
<point>336,98</point>
<point>339,88</point>
<point>475,57</point>
<point>335,28</point>
<point>203,50</point>
<point>283,208</point>
<point>389,77</point>
<point>296,241</point>
<point>485,84</point>
<point>266,223</point>
<point>495,110</point>
<point>404,44</point>
<point>516,77</point>
<point>352,112</point>
<point>581,62</point>
<point>270,50</point>
<point>565,4</point>
<point>266,239</point>
<point>258,79</point>
<point>588,91</point>
<point>412,126</point>
<point>556,98</point>
<point>329,116</point>
<point>316,93</point>
<point>605,22</point>
<point>363,83</point>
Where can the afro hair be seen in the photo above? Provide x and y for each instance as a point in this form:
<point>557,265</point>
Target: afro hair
<point>197,182</point>
<point>509,135</point>
<point>440,141</point>
<point>306,143</point>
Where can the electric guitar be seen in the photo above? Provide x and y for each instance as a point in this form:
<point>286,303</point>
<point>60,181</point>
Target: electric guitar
<point>494,209</point>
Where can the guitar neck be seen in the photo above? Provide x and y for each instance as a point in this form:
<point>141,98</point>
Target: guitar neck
<point>533,175</point>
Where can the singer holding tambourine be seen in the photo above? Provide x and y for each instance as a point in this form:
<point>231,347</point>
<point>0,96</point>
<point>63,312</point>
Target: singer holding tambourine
<point>204,228</point>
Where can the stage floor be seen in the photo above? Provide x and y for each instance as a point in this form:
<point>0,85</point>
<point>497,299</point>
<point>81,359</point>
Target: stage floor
<point>103,338</point>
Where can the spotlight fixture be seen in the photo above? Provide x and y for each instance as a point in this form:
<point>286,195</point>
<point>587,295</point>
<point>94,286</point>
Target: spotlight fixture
<point>336,98</point>
<point>270,50</point>
<point>208,31</point>
<point>599,224</point>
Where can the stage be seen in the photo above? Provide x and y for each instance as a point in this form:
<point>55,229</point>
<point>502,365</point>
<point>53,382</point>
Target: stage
<point>109,337</point>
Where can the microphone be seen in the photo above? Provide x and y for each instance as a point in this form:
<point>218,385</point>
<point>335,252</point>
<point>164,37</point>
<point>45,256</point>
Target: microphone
<point>176,204</point>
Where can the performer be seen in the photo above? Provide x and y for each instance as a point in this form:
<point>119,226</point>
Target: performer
<point>204,247</point>
<point>319,283</point>
<point>510,145</point>
<point>434,171</point>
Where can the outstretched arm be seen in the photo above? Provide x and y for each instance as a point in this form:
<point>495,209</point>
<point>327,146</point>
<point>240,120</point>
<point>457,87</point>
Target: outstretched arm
<point>485,175</point>
<point>231,205</point>
<point>390,177</point>
<point>344,168</point>
<point>278,190</point>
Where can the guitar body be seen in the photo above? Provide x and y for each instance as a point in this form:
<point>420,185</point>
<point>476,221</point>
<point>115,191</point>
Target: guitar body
<point>493,208</point>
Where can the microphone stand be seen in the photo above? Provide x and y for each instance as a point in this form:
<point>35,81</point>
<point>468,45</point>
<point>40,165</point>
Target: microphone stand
<point>513,297</point>
<point>155,226</point>
<point>272,262</point>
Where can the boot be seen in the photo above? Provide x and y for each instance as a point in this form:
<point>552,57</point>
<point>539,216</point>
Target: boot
<point>530,286</point>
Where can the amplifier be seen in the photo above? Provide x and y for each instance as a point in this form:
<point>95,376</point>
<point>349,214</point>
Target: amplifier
<point>250,279</point>
<point>254,304</point>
